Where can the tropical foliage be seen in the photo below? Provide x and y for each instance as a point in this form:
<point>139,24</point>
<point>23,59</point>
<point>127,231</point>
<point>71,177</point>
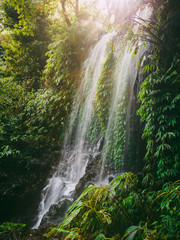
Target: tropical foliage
<point>42,47</point>
<point>122,211</point>
<point>10,230</point>
<point>39,74</point>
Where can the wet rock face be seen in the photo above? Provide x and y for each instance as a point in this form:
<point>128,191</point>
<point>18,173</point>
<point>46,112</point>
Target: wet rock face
<point>93,170</point>
<point>135,145</point>
<point>56,212</point>
<point>91,175</point>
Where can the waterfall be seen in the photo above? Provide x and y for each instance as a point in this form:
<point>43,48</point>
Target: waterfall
<point>75,153</point>
<point>76,150</point>
<point>121,104</point>
<point>120,109</point>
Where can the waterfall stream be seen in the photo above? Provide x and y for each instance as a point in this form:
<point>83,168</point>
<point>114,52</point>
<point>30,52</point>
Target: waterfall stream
<point>75,155</point>
<point>76,151</point>
<point>122,98</point>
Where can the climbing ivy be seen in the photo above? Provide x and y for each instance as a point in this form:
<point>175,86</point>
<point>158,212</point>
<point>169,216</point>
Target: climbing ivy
<point>114,148</point>
<point>95,129</point>
<point>160,111</point>
<point>104,90</point>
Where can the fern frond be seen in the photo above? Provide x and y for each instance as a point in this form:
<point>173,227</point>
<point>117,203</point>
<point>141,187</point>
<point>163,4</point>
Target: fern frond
<point>69,218</point>
<point>104,216</point>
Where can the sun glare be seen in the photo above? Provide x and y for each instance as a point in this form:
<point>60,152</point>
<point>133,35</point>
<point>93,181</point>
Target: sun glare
<point>114,8</point>
<point>101,4</point>
<point>123,4</point>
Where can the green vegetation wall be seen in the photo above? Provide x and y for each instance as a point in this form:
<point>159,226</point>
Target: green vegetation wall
<point>40,58</point>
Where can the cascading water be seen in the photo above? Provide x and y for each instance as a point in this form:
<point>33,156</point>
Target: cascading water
<point>121,104</point>
<point>77,151</point>
<point>75,155</point>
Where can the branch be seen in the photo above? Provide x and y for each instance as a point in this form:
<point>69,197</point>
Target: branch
<point>72,4</point>
<point>76,7</point>
<point>164,193</point>
<point>143,20</point>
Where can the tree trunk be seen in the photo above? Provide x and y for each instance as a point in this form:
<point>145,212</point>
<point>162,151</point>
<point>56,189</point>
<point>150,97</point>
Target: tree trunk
<point>77,7</point>
<point>64,12</point>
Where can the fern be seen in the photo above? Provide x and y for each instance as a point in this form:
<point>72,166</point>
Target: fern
<point>71,217</point>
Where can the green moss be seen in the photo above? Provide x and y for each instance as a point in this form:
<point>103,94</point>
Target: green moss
<point>115,143</point>
<point>104,91</point>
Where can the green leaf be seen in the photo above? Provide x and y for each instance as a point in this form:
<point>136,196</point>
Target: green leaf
<point>131,232</point>
<point>69,218</point>
<point>100,237</point>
